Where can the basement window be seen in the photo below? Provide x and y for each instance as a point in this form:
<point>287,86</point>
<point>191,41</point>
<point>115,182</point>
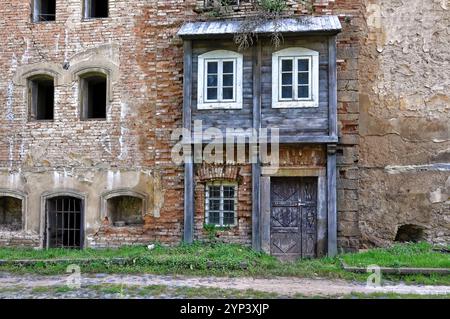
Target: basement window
<point>221,204</point>
<point>41,97</point>
<point>96,9</point>
<point>10,213</point>
<point>93,96</point>
<point>44,10</point>
<point>125,211</point>
<point>409,233</point>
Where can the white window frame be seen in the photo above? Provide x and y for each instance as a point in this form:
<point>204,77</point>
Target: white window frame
<point>221,208</point>
<point>219,56</point>
<point>295,54</point>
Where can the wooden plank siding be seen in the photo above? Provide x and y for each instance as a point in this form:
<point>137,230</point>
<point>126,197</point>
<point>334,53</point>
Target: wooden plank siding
<point>293,122</point>
<point>240,118</point>
<point>296,121</point>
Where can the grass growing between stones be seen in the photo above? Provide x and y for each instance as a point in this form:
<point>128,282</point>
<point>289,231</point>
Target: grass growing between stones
<point>228,260</point>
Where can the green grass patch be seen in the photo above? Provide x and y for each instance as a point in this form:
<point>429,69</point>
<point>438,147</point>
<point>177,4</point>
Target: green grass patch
<point>229,260</point>
<point>419,255</point>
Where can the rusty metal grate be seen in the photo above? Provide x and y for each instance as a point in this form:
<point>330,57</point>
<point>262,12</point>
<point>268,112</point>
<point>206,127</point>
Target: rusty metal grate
<point>64,222</point>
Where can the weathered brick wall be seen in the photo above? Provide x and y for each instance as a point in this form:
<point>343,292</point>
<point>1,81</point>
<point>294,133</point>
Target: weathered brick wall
<point>242,232</point>
<point>138,43</point>
<point>392,105</point>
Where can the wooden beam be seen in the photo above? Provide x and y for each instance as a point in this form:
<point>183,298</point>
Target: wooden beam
<point>332,87</point>
<point>332,204</point>
<point>256,167</point>
<point>189,184</point>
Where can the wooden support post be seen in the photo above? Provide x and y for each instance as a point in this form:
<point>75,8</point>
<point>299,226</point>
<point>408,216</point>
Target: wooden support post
<point>332,204</point>
<point>256,167</point>
<point>189,165</point>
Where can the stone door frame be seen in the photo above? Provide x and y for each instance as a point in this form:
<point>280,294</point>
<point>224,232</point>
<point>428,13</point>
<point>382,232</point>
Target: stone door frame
<point>322,211</point>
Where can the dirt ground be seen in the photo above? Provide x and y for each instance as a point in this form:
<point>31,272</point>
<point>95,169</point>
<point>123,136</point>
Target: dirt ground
<point>281,286</point>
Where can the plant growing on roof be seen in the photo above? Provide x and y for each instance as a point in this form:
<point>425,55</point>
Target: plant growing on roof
<point>265,11</point>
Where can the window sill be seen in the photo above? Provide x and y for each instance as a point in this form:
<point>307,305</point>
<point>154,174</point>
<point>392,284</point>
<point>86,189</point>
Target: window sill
<point>294,104</point>
<point>220,106</point>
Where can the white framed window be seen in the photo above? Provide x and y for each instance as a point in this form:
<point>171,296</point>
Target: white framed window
<point>220,80</point>
<point>295,78</point>
<point>221,204</point>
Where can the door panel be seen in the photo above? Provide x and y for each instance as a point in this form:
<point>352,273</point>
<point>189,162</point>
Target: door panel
<point>293,222</point>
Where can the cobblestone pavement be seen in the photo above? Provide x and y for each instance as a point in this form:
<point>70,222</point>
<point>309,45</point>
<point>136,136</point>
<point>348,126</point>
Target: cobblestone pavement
<point>33,286</point>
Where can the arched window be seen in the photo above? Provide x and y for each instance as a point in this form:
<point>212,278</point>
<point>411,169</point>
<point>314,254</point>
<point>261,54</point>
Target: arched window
<point>41,97</point>
<point>220,80</point>
<point>124,208</point>
<point>295,78</point>
<point>93,95</point>
<point>62,218</point>
<point>12,207</point>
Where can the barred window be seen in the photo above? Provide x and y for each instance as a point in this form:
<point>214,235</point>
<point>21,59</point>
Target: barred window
<point>221,204</point>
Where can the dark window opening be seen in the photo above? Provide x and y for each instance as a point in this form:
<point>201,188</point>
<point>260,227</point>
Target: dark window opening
<point>96,9</point>
<point>10,214</point>
<point>42,92</point>
<point>94,90</point>
<point>44,10</point>
<point>64,222</point>
<point>409,233</point>
<point>125,211</point>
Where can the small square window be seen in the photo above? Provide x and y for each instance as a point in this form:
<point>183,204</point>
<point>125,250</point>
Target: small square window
<point>96,9</point>
<point>220,204</point>
<point>44,10</point>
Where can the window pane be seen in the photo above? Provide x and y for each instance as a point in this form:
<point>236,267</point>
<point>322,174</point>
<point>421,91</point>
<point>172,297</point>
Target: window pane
<point>214,218</point>
<point>228,204</point>
<point>303,65</point>
<point>228,80</point>
<point>303,92</point>
<point>286,92</point>
<point>303,78</point>
<point>228,191</point>
<point>214,204</point>
<point>228,218</point>
<point>214,191</point>
<point>227,93</point>
<point>212,67</point>
<point>228,67</point>
<point>212,80</point>
<point>286,65</point>
<point>212,94</point>
<point>286,78</point>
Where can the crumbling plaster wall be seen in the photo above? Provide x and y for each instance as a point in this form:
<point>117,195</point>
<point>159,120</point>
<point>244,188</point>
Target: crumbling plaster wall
<point>404,122</point>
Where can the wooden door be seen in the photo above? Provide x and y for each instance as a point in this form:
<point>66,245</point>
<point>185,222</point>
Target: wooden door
<point>293,221</point>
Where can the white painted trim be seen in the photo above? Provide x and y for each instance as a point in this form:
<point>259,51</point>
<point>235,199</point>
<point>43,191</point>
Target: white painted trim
<point>314,78</point>
<point>221,184</point>
<point>220,55</point>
